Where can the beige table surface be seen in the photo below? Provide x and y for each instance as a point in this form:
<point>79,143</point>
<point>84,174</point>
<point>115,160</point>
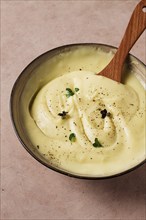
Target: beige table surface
<point>30,190</point>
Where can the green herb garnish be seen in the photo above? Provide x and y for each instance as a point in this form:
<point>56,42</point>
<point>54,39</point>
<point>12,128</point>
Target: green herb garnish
<point>97,143</point>
<point>76,89</point>
<point>69,92</point>
<point>72,137</point>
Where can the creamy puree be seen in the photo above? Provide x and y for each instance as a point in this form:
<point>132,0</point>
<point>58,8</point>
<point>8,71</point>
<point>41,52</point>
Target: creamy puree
<point>84,140</point>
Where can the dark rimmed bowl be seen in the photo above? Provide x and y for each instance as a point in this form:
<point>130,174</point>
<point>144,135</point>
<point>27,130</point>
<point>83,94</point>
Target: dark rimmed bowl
<point>24,77</point>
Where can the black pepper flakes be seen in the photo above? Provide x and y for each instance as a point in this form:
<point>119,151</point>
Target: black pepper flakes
<point>63,114</point>
<point>104,113</point>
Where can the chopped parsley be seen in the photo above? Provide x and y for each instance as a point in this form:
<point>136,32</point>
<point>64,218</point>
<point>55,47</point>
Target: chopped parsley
<point>97,143</point>
<point>72,137</point>
<point>63,114</point>
<point>76,89</point>
<point>69,92</point>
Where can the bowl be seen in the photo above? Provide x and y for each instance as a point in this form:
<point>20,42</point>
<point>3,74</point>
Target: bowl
<point>36,73</point>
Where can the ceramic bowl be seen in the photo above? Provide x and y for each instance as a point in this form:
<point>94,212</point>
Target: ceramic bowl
<point>34,68</point>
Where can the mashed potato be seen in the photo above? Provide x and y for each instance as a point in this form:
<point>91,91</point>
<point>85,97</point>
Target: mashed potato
<point>85,123</point>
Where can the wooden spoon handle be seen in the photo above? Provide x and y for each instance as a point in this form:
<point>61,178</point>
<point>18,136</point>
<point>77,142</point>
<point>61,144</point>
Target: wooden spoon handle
<point>136,26</point>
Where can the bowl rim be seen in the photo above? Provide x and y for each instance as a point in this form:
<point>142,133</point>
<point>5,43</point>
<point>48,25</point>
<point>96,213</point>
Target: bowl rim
<point>64,172</point>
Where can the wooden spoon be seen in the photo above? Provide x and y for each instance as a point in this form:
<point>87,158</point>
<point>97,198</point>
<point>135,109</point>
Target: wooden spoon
<point>136,26</point>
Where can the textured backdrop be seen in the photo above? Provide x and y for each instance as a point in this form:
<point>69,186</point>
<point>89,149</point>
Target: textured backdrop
<point>30,190</point>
